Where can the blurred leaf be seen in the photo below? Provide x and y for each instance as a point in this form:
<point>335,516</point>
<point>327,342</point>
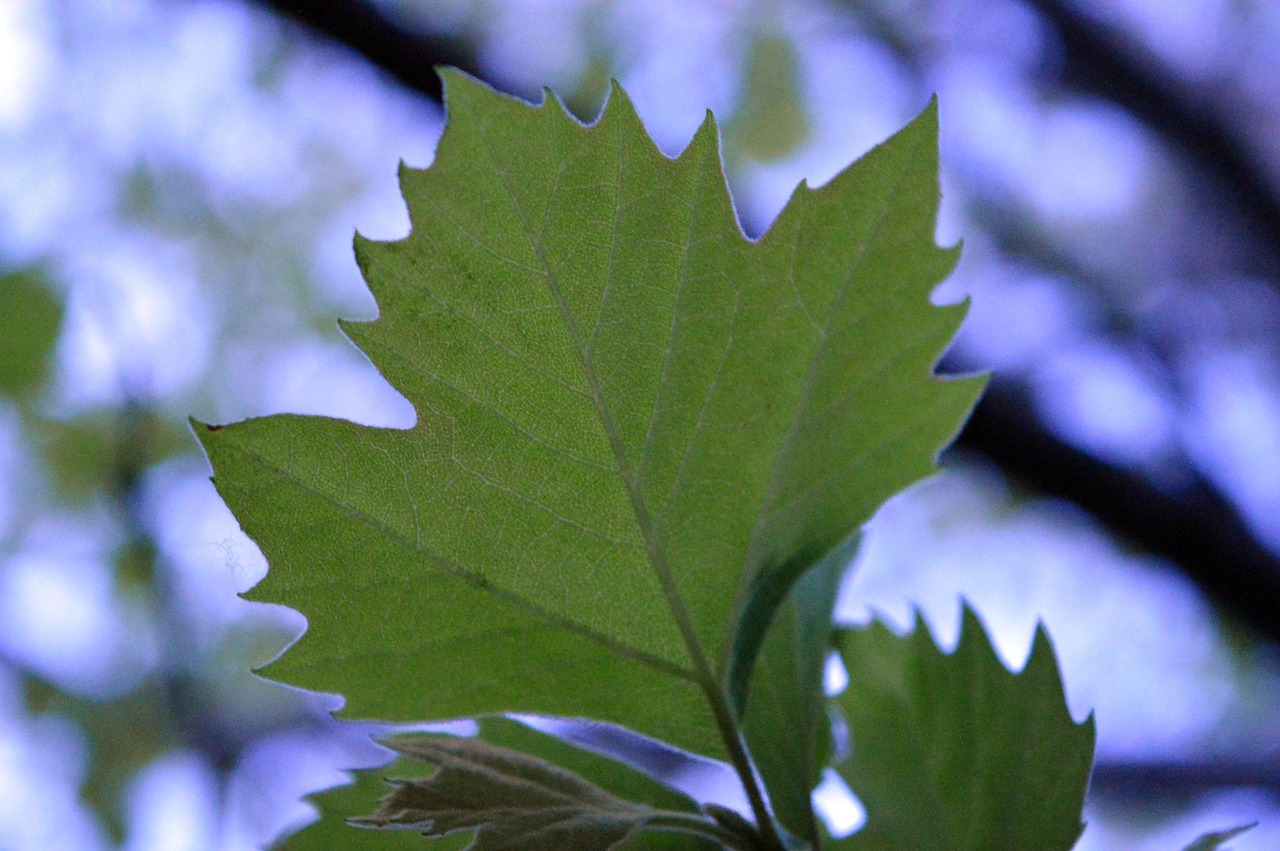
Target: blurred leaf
<point>953,750</point>
<point>124,736</point>
<point>1213,841</point>
<point>631,420</point>
<point>30,317</point>
<point>86,455</point>
<point>771,120</point>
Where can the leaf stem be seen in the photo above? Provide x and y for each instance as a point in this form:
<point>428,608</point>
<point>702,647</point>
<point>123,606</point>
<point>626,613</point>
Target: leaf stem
<point>689,824</point>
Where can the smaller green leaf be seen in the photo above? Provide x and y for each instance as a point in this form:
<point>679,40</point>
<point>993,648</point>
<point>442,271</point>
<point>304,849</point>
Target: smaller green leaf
<point>615,777</point>
<point>514,801</point>
<point>31,317</point>
<point>1215,840</point>
<point>331,830</point>
<point>953,750</point>
<point>785,722</point>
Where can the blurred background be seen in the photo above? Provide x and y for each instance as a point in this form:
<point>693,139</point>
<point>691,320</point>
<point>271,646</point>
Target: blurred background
<point>179,185</point>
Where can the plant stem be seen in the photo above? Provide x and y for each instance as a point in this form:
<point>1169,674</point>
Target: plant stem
<point>742,764</point>
<point>687,823</point>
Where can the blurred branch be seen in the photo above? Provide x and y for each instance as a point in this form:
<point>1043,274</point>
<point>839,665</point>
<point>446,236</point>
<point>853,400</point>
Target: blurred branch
<point>1194,527</point>
<point>1100,60</point>
<point>407,54</point>
<point>1152,779</point>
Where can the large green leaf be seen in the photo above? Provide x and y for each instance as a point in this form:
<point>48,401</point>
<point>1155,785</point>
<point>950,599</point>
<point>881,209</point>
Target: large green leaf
<point>954,751</point>
<point>631,421</point>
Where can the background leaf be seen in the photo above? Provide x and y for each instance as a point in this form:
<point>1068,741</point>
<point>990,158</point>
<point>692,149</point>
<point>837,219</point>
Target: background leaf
<point>31,317</point>
<point>955,751</point>
<point>771,121</point>
<point>631,421</point>
<point>1213,841</point>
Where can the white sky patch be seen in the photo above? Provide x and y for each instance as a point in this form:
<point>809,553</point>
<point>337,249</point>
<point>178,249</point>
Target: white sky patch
<point>1233,431</point>
<point>171,805</point>
<point>197,533</point>
<point>679,63</point>
<point>59,614</point>
<point>1017,315</point>
<point>844,121</point>
<point>12,466</point>
<point>835,677</point>
<point>837,806</point>
<point>1101,398</point>
<point>1091,161</point>
<point>1189,35</point>
<point>1115,621</point>
<point>25,60</point>
<point>42,764</point>
<point>137,323</point>
<point>333,380</point>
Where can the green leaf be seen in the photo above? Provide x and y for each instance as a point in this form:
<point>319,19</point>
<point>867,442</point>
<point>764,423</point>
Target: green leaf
<point>513,800</point>
<point>615,777</point>
<point>31,317</point>
<point>631,421</point>
<point>953,750</point>
<point>1217,839</point>
<point>786,723</point>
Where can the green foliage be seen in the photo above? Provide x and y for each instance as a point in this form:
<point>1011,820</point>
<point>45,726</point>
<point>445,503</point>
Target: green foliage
<point>786,724</point>
<point>30,317</point>
<point>516,801</point>
<point>643,445</point>
<point>953,750</point>
<point>615,779</point>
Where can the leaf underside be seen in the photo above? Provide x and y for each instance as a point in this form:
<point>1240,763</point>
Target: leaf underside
<point>615,778</point>
<point>953,750</point>
<point>512,800</point>
<point>633,424</point>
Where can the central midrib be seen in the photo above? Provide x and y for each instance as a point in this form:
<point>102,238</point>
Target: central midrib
<point>653,545</point>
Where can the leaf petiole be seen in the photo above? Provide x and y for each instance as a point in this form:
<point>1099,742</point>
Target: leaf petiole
<point>670,821</point>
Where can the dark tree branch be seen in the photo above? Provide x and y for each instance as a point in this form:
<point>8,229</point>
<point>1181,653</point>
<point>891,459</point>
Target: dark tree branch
<point>408,55</point>
<point>1102,62</point>
<point>1161,779</point>
<point>1193,528</point>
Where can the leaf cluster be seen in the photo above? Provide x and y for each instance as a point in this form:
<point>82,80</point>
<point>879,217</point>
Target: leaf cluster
<point>643,447</point>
